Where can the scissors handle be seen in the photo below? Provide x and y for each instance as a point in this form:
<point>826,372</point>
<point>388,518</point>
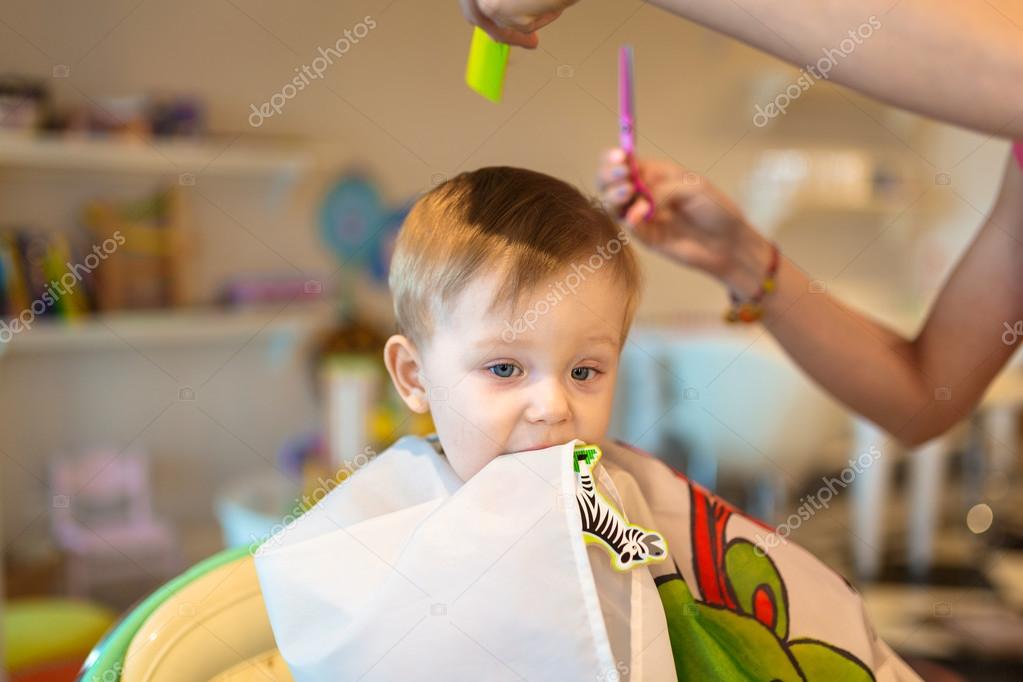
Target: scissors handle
<point>627,129</point>
<point>641,190</point>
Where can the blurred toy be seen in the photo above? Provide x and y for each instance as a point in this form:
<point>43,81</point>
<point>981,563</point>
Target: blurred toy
<point>254,290</point>
<point>380,263</point>
<point>23,103</point>
<point>98,520</point>
<point>349,218</point>
<point>179,116</point>
<point>125,115</point>
<point>252,506</point>
<point>352,386</point>
<point>363,411</point>
<point>145,244</point>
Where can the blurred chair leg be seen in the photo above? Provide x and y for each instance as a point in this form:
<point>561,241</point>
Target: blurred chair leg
<point>927,465</point>
<point>870,499</point>
<point>1000,436</point>
<point>976,466</point>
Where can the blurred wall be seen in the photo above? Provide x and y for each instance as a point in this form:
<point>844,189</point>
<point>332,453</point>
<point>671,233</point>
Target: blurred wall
<point>395,104</point>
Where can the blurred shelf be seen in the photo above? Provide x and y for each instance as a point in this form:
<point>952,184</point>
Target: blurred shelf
<point>223,156</point>
<point>789,183</point>
<point>177,329</point>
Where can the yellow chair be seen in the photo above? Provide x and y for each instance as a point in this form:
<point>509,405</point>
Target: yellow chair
<point>209,623</point>
<point>47,638</point>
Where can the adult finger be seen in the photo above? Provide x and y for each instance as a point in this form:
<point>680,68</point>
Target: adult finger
<point>610,173</point>
<point>677,192</point>
<point>545,19</point>
<point>616,196</point>
<point>504,34</point>
<point>637,212</point>
<point>510,36</point>
<point>613,155</point>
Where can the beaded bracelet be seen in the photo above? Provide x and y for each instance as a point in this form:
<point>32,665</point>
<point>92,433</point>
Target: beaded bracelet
<point>751,310</point>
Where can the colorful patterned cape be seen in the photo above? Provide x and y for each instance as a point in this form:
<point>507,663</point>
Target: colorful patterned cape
<point>736,610</point>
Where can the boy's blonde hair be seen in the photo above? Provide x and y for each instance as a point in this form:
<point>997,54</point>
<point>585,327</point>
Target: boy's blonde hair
<point>524,225</point>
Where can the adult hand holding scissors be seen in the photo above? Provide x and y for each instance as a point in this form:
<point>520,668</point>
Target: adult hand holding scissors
<point>693,223</point>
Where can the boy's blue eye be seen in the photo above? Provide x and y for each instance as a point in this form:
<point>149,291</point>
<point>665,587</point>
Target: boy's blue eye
<point>583,373</point>
<point>503,370</point>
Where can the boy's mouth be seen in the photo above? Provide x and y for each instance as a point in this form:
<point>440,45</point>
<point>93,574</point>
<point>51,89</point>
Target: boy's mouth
<point>537,445</point>
<point>544,445</point>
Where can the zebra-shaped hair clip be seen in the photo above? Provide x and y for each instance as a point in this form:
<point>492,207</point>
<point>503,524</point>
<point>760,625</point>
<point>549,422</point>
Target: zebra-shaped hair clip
<point>629,545</point>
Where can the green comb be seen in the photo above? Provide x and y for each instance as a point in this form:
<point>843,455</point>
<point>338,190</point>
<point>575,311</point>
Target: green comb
<point>488,60</point>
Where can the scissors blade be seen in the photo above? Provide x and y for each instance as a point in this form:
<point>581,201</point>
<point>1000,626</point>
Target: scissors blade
<point>626,112</point>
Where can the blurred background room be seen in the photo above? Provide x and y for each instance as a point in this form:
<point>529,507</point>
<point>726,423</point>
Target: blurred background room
<point>215,352</point>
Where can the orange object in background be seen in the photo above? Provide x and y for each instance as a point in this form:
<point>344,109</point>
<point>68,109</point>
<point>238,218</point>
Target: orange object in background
<point>65,671</point>
<point>47,640</point>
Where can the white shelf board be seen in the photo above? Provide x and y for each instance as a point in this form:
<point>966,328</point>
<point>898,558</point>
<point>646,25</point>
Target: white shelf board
<point>178,328</point>
<point>211,156</point>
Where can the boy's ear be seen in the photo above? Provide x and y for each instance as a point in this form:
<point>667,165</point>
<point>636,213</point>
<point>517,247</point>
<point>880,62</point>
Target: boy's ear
<point>405,367</point>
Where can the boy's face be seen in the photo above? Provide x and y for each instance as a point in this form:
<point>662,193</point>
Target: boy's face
<point>501,382</point>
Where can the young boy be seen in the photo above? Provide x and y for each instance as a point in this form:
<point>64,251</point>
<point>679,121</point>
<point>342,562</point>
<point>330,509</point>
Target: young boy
<point>485,555</point>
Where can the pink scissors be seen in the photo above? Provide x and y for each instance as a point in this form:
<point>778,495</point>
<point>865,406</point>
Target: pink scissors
<point>627,128</point>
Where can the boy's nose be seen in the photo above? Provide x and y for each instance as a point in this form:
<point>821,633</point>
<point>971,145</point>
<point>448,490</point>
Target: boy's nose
<point>549,403</point>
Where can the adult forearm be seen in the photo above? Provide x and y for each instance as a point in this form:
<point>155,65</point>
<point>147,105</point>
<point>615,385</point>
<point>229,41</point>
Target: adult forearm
<point>865,365</point>
<point>915,389</point>
<point>871,369</point>
<point>953,60</point>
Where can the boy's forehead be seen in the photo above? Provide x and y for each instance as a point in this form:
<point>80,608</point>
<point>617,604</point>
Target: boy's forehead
<point>482,295</point>
<point>478,321</point>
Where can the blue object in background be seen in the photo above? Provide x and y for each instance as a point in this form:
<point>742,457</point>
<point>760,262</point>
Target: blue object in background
<point>358,227</point>
<point>380,262</point>
<point>349,219</point>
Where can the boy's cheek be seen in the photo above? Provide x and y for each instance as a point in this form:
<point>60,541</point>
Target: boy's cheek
<point>469,453</point>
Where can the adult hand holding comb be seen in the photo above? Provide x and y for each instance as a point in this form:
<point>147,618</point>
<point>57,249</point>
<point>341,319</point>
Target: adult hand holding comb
<point>514,24</point>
